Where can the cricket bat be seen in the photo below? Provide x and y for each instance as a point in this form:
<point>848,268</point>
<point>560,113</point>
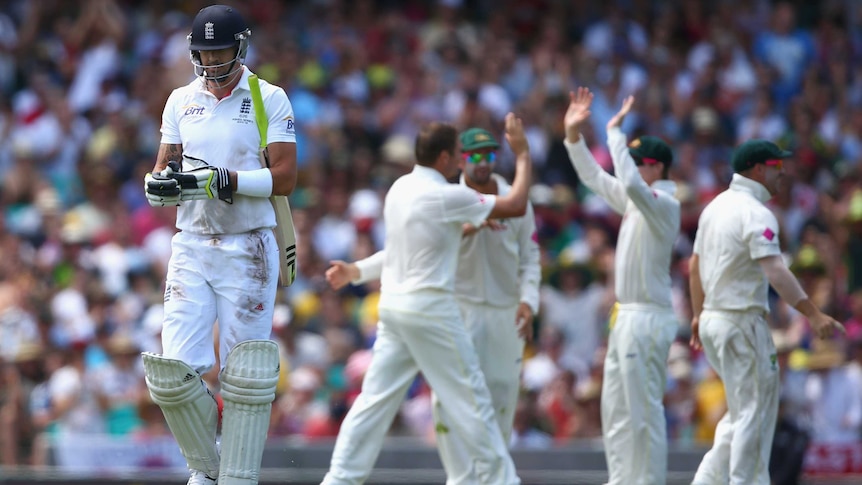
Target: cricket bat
<point>285,234</point>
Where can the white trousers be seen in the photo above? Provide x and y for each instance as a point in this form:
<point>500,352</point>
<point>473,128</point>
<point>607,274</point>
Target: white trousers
<point>232,278</point>
<point>500,350</point>
<point>440,348</point>
<point>635,374</point>
<point>739,347</point>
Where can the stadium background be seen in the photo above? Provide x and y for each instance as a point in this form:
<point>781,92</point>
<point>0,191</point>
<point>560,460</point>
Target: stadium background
<point>83,256</point>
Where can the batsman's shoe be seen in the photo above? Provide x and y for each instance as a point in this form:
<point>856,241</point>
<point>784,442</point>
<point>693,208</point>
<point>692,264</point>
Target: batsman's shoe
<point>200,478</point>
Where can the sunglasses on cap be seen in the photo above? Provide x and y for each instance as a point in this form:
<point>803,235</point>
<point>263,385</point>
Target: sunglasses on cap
<point>476,157</point>
<point>777,163</point>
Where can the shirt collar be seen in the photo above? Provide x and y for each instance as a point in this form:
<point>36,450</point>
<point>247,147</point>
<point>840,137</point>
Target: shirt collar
<point>668,186</point>
<point>429,173</point>
<point>742,183</point>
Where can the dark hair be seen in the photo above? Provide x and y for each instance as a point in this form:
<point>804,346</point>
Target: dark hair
<point>433,139</point>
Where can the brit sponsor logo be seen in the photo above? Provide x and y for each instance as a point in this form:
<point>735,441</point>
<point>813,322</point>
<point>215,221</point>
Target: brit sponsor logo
<point>193,110</point>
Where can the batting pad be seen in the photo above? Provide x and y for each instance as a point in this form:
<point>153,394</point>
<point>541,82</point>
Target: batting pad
<point>248,389</point>
<point>189,408</point>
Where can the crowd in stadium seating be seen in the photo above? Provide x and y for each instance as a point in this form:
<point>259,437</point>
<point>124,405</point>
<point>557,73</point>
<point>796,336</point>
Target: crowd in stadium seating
<point>83,256</point>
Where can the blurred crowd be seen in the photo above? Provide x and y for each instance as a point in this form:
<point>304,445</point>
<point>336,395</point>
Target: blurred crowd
<point>83,255</point>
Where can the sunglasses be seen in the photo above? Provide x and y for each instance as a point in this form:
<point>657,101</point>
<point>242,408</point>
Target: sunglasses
<point>476,157</point>
<point>777,163</point>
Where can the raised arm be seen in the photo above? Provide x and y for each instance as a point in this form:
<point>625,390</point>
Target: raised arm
<point>591,174</point>
<point>660,213</point>
<point>514,204</point>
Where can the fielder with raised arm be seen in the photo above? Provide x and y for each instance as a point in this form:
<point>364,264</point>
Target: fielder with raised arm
<point>497,289</point>
<point>633,420</point>
<point>420,327</point>
<point>736,258</point>
<point>224,261</point>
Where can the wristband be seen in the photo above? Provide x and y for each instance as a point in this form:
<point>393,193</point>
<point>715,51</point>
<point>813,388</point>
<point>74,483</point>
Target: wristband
<point>256,183</point>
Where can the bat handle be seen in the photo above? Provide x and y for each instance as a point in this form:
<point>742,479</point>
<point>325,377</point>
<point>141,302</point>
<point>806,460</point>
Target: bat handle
<point>173,167</point>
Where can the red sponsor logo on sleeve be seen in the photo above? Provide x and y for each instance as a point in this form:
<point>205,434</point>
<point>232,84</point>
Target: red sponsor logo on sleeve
<point>768,234</point>
<point>535,237</point>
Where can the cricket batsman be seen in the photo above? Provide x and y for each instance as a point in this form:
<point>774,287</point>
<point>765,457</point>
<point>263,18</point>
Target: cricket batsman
<point>224,260</point>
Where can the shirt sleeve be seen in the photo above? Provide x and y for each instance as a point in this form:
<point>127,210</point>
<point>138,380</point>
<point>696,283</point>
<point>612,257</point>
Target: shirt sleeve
<point>279,111</point>
<point>595,178</point>
<point>661,213</point>
<point>462,204</point>
<point>761,234</point>
<point>530,271</point>
<point>697,248</point>
<point>170,128</point>
<point>370,268</point>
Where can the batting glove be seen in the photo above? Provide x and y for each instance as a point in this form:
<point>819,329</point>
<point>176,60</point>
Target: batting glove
<point>162,189</point>
<point>203,181</point>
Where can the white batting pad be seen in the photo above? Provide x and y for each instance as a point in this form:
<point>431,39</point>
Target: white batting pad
<point>248,389</point>
<point>189,408</point>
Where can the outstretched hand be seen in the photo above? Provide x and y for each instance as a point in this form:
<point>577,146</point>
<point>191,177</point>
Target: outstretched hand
<point>340,273</point>
<point>578,111</point>
<point>618,118</point>
<point>825,326</point>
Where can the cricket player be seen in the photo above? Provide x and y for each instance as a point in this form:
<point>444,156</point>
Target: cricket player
<point>497,289</point>
<point>633,420</point>
<point>420,327</point>
<point>736,257</point>
<point>224,261</point>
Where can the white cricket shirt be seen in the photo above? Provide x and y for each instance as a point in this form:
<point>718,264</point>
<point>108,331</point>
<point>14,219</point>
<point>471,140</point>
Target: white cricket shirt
<point>224,134</point>
<point>501,267</point>
<point>734,231</point>
<point>650,221</point>
<point>424,215</point>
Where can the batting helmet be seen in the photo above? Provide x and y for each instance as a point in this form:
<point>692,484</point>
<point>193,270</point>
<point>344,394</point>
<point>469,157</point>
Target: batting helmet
<point>217,27</point>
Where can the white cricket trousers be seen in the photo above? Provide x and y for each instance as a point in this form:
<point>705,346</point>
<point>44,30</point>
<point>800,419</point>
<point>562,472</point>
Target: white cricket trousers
<point>438,346</point>
<point>232,278</point>
<point>738,345</point>
<point>500,351</point>
<point>635,374</point>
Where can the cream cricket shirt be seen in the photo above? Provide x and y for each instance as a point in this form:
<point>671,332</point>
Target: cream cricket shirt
<point>501,267</point>
<point>424,216</point>
<point>734,231</point>
<point>650,221</point>
<point>224,134</point>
